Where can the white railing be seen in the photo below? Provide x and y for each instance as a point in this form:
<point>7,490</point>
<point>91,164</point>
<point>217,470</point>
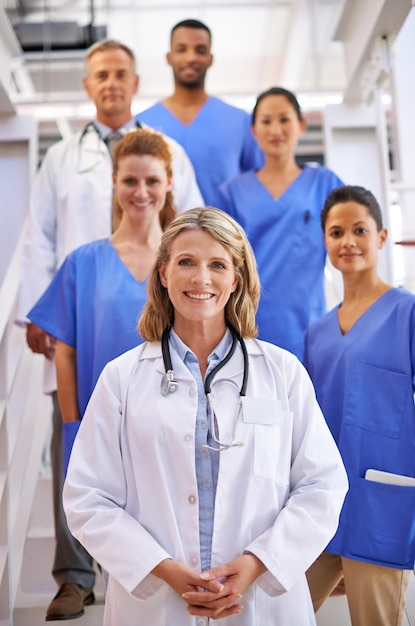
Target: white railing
<point>24,421</point>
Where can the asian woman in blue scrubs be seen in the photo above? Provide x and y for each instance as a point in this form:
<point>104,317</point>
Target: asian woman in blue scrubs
<point>361,358</point>
<point>279,207</point>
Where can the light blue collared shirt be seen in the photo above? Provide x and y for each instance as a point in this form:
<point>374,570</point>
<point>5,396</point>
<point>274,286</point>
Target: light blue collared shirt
<point>105,130</point>
<point>207,461</point>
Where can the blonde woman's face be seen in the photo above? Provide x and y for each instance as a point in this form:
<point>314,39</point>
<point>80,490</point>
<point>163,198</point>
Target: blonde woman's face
<point>199,278</point>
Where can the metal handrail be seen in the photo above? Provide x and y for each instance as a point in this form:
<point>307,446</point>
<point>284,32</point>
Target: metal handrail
<point>10,287</point>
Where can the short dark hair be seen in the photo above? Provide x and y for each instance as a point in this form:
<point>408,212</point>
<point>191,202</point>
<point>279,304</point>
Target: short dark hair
<point>353,193</point>
<point>190,23</point>
<point>278,91</point>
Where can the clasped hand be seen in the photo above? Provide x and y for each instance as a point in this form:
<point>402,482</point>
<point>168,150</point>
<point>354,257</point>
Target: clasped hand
<point>40,342</point>
<point>214,593</point>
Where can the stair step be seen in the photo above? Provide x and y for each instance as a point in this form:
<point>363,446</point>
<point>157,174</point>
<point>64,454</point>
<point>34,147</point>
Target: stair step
<point>37,563</point>
<point>35,616</point>
<point>41,518</point>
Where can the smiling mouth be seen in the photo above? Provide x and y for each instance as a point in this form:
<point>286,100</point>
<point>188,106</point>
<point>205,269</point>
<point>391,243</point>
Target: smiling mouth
<point>113,96</point>
<point>199,296</point>
<point>191,70</point>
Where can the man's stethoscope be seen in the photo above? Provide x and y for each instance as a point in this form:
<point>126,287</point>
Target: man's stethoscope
<point>99,151</point>
<point>169,385</point>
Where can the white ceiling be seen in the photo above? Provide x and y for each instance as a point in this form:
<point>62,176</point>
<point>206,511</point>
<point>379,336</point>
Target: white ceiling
<point>323,50</point>
<point>256,44</point>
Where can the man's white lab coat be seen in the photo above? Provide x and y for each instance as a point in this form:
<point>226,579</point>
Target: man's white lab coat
<point>72,205</point>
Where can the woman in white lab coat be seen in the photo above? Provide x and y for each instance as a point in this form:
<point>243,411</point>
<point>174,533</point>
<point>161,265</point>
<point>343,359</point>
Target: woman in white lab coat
<point>204,478</point>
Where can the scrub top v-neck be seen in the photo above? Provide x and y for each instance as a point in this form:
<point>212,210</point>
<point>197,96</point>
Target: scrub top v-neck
<point>285,234</point>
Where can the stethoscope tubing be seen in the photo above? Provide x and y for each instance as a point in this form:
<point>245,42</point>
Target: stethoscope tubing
<point>92,126</point>
<point>170,384</point>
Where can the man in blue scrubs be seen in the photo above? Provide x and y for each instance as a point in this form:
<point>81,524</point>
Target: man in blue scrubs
<point>215,135</point>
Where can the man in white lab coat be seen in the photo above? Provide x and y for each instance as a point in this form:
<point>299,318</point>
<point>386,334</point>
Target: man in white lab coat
<point>71,206</point>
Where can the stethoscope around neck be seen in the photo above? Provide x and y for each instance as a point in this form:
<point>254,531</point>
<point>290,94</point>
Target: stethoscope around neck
<point>169,385</point>
<point>99,153</point>
<point>93,126</point>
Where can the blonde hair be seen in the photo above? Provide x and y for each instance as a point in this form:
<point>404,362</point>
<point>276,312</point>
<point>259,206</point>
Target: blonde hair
<point>241,307</point>
<point>144,141</point>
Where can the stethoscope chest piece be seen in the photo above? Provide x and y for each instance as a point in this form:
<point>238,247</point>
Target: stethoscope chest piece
<point>168,383</point>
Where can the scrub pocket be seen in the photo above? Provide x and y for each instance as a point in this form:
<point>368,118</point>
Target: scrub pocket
<point>307,249</point>
<point>381,523</point>
<point>376,400</point>
<point>272,438</point>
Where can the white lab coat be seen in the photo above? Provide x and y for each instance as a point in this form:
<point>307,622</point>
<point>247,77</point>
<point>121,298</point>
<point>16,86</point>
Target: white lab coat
<point>131,493</point>
<point>71,205</point>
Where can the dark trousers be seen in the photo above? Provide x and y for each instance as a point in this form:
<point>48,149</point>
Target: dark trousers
<point>72,563</point>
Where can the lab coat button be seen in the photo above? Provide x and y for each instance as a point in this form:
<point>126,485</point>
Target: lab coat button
<point>188,438</point>
<point>192,499</point>
<point>194,561</point>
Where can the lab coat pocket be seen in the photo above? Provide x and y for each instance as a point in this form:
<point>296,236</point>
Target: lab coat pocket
<point>381,523</point>
<point>376,400</point>
<point>272,438</point>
